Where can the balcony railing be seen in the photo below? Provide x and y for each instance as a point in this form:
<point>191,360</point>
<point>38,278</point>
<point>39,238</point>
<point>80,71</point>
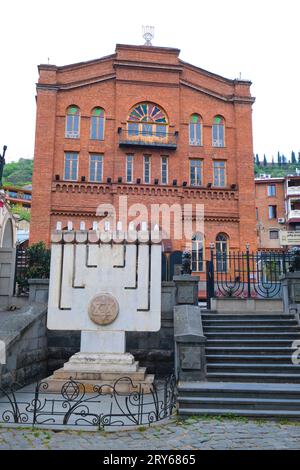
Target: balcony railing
<point>294,214</point>
<point>293,190</point>
<point>147,139</point>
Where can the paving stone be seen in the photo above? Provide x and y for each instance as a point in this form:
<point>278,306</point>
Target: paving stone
<point>203,434</point>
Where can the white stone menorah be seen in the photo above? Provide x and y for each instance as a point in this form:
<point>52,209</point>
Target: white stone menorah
<point>104,284</point>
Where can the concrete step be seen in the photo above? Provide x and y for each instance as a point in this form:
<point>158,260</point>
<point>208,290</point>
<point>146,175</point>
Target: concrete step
<point>250,322</point>
<point>263,377</point>
<point>238,403</point>
<point>274,335</point>
<point>239,412</point>
<point>249,358</point>
<point>238,389</point>
<point>254,367</point>
<point>251,328</point>
<point>247,316</point>
<point>256,352</point>
<point>259,343</point>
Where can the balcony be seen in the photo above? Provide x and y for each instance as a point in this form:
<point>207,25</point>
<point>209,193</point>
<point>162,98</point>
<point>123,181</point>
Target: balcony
<point>294,214</point>
<point>144,139</point>
<point>293,191</point>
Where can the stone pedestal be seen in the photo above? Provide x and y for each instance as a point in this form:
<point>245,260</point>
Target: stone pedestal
<point>186,289</point>
<point>102,368</point>
<point>190,362</point>
<point>291,292</point>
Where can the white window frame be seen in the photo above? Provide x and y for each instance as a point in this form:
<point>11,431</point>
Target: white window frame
<point>201,174</point>
<point>127,162</point>
<point>218,170</point>
<point>144,169</point>
<point>102,163</point>
<point>77,165</point>
<point>166,159</point>
<point>72,134</point>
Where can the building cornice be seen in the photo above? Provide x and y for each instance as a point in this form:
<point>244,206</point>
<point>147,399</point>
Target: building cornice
<point>78,84</point>
<point>226,98</point>
<point>147,66</point>
<point>76,65</point>
<point>144,190</point>
<point>220,78</point>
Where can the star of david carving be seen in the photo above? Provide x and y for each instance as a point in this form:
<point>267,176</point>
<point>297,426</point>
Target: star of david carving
<point>103,309</point>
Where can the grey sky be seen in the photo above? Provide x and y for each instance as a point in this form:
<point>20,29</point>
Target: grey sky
<point>260,39</point>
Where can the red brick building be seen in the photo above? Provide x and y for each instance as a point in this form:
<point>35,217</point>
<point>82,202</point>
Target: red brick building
<point>143,123</point>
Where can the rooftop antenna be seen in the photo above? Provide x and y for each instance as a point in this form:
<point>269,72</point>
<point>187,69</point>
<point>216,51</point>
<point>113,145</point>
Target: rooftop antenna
<point>148,34</point>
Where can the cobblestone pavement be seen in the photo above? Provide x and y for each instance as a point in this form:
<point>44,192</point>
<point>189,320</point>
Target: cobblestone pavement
<point>192,433</point>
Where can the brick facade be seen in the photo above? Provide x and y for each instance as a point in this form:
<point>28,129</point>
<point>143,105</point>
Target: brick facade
<point>269,192</point>
<point>117,83</point>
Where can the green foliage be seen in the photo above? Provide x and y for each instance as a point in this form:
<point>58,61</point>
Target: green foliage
<point>37,267</point>
<point>277,170</point>
<point>24,214</point>
<point>18,173</point>
<point>265,161</point>
<point>38,261</point>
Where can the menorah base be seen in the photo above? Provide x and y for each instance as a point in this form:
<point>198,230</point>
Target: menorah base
<point>110,371</point>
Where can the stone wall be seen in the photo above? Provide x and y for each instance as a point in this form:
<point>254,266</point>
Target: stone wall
<point>7,272</point>
<point>25,338</point>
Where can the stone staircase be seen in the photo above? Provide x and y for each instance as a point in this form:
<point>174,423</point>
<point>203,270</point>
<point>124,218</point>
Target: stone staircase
<point>249,367</point>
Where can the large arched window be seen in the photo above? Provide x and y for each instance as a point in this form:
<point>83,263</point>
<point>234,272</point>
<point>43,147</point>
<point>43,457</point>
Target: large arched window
<point>97,124</point>
<point>72,122</point>
<point>197,252</point>
<point>221,252</point>
<point>147,120</point>
<point>218,132</point>
<point>195,130</point>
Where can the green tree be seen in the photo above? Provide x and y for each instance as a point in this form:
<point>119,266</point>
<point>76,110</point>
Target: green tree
<point>24,214</point>
<point>279,159</point>
<point>257,160</point>
<point>18,173</point>
<point>38,265</point>
<point>293,158</point>
<point>265,160</point>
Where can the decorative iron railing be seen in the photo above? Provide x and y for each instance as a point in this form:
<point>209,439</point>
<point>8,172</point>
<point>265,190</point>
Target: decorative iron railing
<point>148,138</point>
<point>247,275</point>
<point>75,405</point>
<point>21,285</point>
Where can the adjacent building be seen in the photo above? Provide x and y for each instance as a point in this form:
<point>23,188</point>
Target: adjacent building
<point>143,123</point>
<point>277,212</point>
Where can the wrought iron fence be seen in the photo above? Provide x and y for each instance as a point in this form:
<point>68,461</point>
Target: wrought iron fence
<point>21,285</point>
<point>102,406</point>
<point>247,275</point>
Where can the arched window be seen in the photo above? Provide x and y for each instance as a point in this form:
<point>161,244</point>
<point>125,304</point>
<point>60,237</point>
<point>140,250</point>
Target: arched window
<point>72,122</point>
<point>97,124</point>
<point>221,252</point>
<point>195,129</point>
<point>147,120</point>
<point>218,132</point>
<point>197,252</point>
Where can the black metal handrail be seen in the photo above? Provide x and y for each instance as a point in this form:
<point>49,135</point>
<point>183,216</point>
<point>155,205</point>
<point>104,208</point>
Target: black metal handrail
<point>246,274</point>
